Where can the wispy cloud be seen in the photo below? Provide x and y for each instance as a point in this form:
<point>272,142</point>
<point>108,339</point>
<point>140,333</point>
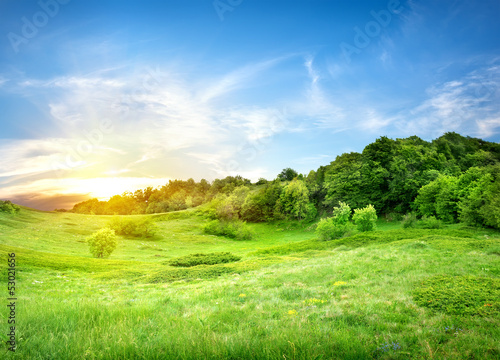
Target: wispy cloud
<point>470,104</point>
<point>154,118</point>
<point>237,79</point>
<point>317,107</point>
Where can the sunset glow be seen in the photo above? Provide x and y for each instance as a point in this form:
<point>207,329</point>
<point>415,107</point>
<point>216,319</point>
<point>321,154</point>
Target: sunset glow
<point>91,106</point>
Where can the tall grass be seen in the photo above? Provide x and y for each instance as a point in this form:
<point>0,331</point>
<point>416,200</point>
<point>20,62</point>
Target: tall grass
<point>294,298</point>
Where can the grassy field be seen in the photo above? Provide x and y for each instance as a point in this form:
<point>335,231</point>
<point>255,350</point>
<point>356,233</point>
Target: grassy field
<point>390,294</point>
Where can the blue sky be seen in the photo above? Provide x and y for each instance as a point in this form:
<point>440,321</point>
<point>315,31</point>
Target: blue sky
<point>99,97</point>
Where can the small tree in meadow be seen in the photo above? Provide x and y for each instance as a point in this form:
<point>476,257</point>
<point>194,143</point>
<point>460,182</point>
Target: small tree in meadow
<point>365,218</point>
<point>102,243</point>
<point>336,226</point>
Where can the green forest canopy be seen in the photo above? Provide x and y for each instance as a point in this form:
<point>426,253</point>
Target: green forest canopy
<point>453,178</point>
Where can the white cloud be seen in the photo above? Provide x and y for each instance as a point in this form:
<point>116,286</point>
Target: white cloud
<point>488,127</point>
<point>156,120</point>
<point>237,79</point>
<point>467,105</point>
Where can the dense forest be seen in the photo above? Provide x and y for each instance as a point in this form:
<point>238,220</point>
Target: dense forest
<point>452,178</point>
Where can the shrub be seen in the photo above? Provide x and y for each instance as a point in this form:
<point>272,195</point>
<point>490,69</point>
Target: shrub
<point>365,218</point>
<point>430,222</point>
<point>137,227</point>
<point>460,295</point>
<point>203,259</point>
<point>237,229</point>
<point>102,243</point>
<point>8,207</point>
<point>342,213</point>
<point>409,221</point>
<point>328,229</point>
<point>336,226</point>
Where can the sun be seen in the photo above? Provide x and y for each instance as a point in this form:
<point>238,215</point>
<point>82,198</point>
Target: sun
<point>105,187</point>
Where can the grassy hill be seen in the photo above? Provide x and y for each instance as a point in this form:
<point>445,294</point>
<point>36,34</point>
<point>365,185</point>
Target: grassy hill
<point>390,294</point>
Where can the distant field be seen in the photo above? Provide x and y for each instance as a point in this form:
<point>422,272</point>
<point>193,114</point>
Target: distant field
<point>388,294</point>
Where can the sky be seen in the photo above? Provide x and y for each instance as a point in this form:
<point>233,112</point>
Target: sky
<point>102,97</point>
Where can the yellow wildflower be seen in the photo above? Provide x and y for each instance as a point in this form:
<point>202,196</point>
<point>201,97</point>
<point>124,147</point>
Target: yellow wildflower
<point>313,301</point>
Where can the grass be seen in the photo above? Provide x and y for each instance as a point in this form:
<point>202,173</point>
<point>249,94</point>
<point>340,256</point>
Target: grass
<point>289,297</point>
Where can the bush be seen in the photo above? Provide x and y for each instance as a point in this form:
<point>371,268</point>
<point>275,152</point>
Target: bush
<point>336,226</point>
<point>365,218</point>
<point>342,213</point>
<point>203,259</point>
<point>328,229</point>
<point>409,221</point>
<point>430,222</point>
<point>237,229</point>
<point>8,207</point>
<point>137,227</point>
<point>102,243</point>
<point>460,295</point>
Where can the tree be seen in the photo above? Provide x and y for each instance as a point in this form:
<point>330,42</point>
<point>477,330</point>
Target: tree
<point>491,209</point>
<point>287,174</point>
<point>365,218</point>
<point>231,205</point>
<point>261,181</point>
<point>356,180</point>
<point>261,205</point>
<point>102,243</point>
<point>294,201</point>
<point>439,198</point>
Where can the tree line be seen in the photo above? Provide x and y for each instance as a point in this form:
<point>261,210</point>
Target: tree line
<point>453,178</point>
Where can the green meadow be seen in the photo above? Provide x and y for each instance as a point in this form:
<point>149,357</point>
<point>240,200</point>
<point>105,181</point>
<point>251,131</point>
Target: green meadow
<point>392,293</point>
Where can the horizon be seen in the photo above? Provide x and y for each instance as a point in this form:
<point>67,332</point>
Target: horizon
<point>101,98</point>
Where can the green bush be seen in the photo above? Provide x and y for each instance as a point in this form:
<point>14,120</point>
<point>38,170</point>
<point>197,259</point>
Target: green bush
<point>336,226</point>
<point>430,222</point>
<point>409,221</point>
<point>8,207</point>
<point>102,243</point>
<point>237,229</point>
<point>328,229</point>
<point>341,213</point>
<point>365,218</point>
<point>203,259</point>
<point>460,295</point>
<point>132,226</point>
